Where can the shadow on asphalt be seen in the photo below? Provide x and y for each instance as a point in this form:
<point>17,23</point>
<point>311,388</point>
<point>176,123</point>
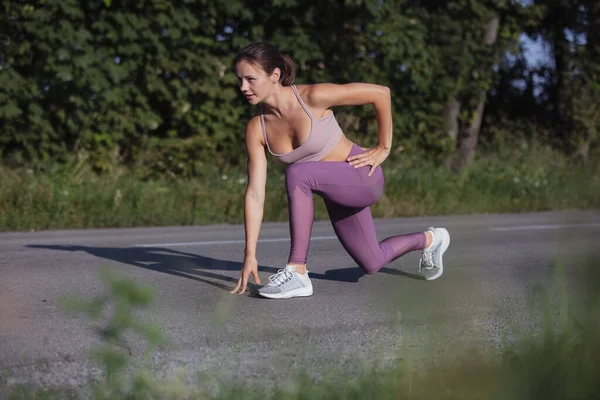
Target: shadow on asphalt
<point>199,267</point>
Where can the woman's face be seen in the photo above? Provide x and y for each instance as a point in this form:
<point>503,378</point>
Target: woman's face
<point>255,84</point>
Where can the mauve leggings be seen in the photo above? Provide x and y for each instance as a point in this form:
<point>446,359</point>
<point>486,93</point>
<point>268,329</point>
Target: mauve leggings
<point>348,192</point>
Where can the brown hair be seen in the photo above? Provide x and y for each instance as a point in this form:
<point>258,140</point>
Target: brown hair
<point>268,58</point>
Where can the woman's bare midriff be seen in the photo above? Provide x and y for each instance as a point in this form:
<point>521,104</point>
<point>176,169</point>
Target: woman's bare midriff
<point>340,151</point>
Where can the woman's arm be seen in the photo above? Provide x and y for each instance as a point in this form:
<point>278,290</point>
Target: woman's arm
<point>254,201</point>
<point>326,95</point>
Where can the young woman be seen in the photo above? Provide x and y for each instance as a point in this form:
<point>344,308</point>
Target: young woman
<point>297,126</point>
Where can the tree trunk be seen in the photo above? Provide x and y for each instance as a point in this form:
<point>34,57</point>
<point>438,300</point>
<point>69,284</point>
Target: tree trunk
<point>594,27</point>
<point>450,118</point>
<point>560,48</point>
<point>584,150</point>
<point>450,125</point>
<point>467,140</point>
<point>469,134</point>
<point>593,58</point>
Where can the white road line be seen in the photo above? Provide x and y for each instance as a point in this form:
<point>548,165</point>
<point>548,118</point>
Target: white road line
<point>496,228</point>
<point>540,227</point>
<point>215,242</point>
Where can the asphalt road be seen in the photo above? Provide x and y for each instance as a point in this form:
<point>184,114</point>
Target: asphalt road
<point>492,267</point>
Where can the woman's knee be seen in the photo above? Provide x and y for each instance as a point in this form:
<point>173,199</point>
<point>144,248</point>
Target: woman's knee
<point>371,267</point>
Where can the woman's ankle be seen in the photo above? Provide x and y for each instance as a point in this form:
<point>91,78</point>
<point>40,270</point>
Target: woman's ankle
<point>300,268</point>
<point>428,238</point>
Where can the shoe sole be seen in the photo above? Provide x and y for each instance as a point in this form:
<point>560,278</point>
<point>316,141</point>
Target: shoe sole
<point>445,244</point>
<point>302,292</point>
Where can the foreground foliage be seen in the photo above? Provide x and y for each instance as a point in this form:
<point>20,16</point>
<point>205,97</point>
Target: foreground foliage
<point>558,363</point>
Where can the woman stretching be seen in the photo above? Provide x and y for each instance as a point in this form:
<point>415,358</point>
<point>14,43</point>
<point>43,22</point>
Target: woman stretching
<point>297,126</point>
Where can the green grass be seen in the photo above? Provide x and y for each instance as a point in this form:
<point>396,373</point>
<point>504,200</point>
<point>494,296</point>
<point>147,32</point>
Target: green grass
<point>516,180</point>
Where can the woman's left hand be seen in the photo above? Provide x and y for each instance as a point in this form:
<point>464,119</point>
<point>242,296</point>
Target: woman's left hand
<point>373,157</point>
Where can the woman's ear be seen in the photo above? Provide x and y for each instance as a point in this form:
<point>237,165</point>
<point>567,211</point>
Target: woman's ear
<point>275,75</point>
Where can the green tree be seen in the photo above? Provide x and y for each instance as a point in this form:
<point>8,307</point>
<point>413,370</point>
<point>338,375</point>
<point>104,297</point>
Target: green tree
<point>571,29</point>
<point>150,83</point>
<point>139,81</point>
<point>472,38</point>
<point>585,104</point>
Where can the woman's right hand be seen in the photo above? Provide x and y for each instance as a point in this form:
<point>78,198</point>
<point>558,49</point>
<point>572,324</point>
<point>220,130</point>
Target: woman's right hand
<point>250,267</point>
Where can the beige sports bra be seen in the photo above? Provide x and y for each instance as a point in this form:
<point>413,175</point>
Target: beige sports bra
<point>325,133</point>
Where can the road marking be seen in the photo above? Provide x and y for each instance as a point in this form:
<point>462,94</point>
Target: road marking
<point>215,242</point>
<point>316,238</point>
<point>540,227</point>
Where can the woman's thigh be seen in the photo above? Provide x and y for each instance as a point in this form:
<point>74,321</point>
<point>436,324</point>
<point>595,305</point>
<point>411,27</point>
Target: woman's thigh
<point>337,182</point>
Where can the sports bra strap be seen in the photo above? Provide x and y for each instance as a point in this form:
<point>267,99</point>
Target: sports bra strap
<point>262,125</point>
<point>301,102</point>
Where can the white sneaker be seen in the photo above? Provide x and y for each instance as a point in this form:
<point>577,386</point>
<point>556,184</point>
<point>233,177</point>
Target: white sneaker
<point>431,265</point>
<point>287,283</point>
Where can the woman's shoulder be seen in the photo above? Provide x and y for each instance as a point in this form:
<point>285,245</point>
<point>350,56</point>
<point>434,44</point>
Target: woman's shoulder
<point>254,131</point>
<point>312,93</point>
<point>253,123</point>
